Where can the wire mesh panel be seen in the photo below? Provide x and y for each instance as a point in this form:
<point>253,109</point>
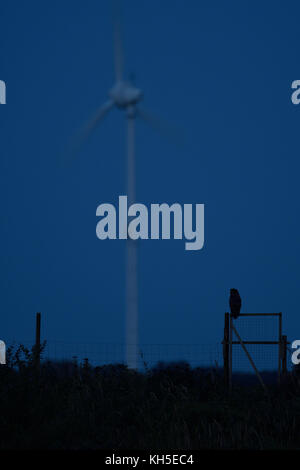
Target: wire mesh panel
<point>204,355</point>
<point>148,355</point>
<point>265,331</point>
<point>265,357</point>
<point>96,353</point>
<point>258,327</point>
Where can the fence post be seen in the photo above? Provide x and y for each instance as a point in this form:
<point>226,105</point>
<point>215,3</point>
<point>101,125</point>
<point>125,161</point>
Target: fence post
<point>38,340</point>
<point>226,350</point>
<point>280,348</point>
<point>284,355</point>
<point>230,351</point>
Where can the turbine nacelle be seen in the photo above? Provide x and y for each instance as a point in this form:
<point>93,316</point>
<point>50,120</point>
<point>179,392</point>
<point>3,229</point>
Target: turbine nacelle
<point>125,95</point>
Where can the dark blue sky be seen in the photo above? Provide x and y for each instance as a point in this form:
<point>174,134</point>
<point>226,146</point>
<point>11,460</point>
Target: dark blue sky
<point>222,72</point>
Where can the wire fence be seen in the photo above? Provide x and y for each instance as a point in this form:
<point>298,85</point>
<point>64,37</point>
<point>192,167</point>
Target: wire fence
<point>149,355</point>
<point>258,328</point>
<point>205,355</point>
<point>264,328</point>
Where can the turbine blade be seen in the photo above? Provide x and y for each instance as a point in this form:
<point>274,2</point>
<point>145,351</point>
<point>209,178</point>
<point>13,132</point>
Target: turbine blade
<point>160,125</point>
<point>118,49</point>
<point>89,127</point>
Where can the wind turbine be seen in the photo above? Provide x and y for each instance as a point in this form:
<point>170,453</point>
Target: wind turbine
<point>125,97</point>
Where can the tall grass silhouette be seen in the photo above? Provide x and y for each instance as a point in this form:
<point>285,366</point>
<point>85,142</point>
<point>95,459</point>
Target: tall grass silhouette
<point>73,405</point>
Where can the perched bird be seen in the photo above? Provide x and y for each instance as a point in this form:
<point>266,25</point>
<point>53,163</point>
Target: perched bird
<point>235,303</point>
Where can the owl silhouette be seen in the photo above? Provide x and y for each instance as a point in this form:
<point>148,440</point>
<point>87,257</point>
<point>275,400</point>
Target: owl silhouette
<point>235,303</point>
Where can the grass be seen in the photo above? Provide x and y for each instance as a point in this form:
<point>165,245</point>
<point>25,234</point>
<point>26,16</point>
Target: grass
<point>66,405</point>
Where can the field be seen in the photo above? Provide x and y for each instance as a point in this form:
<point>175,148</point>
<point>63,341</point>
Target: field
<point>66,405</point>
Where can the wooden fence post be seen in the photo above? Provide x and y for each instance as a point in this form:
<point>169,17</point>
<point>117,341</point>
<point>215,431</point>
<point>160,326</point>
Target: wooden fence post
<point>280,347</point>
<point>38,340</point>
<point>226,350</point>
<point>284,355</point>
<point>230,351</point>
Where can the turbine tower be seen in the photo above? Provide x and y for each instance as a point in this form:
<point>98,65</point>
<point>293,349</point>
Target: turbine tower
<point>125,96</point>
